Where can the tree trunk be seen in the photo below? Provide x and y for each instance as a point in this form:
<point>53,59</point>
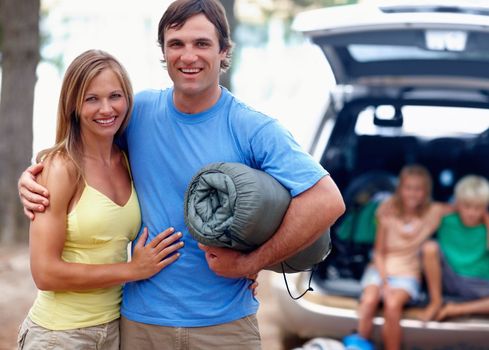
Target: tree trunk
<point>20,55</point>
<point>229,7</point>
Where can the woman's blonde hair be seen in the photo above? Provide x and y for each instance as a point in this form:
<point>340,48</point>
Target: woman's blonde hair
<point>77,78</point>
<point>423,173</point>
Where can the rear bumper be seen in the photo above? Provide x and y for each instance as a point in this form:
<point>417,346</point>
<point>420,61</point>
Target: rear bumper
<point>319,315</point>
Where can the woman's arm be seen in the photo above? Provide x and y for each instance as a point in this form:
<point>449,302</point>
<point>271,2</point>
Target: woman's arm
<point>48,234</point>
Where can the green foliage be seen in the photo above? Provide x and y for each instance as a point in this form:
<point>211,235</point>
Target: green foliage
<point>290,8</point>
<point>310,4</point>
<point>45,39</point>
<point>322,3</point>
<point>301,5</point>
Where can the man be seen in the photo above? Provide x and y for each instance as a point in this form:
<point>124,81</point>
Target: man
<point>202,301</point>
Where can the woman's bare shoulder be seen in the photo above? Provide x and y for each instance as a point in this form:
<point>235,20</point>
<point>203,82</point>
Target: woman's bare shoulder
<point>58,169</point>
<point>386,208</point>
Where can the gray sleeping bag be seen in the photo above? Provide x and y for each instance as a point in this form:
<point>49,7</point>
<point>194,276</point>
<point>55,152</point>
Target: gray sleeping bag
<point>234,206</point>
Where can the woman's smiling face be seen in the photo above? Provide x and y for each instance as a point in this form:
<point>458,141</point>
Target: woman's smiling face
<point>104,106</point>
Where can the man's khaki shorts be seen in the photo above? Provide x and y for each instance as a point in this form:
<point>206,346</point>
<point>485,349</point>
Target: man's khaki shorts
<point>242,334</point>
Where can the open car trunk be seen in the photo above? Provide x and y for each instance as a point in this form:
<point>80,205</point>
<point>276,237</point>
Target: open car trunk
<point>426,65</point>
<point>368,45</point>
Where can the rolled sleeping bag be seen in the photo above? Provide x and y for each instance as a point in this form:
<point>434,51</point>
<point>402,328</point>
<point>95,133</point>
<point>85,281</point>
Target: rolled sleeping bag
<point>234,206</point>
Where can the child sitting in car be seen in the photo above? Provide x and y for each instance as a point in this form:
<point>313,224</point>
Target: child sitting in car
<point>405,221</point>
<point>458,264</point>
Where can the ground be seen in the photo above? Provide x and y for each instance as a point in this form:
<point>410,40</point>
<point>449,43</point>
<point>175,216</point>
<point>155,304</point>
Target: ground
<point>18,291</point>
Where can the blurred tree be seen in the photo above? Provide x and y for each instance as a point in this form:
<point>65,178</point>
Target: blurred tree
<point>287,9</point>
<point>1,36</point>
<point>300,5</point>
<point>20,55</point>
<point>229,6</point>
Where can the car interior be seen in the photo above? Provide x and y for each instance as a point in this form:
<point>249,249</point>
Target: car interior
<point>410,87</point>
<point>365,161</point>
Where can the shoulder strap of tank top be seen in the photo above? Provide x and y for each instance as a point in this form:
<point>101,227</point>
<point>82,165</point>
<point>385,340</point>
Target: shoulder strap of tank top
<point>127,164</point>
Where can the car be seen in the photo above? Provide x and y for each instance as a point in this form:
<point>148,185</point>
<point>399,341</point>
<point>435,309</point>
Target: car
<point>412,86</point>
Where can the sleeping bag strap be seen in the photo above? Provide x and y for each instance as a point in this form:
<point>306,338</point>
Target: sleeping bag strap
<point>309,288</point>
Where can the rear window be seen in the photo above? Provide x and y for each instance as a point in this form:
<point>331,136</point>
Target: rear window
<point>426,121</point>
<point>373,53</point>
<point>429,44</point>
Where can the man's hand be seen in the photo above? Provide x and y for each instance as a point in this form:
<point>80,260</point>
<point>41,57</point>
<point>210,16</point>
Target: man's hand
<point>228,262</point>
<point>253,283</point>
<point>33,196</point>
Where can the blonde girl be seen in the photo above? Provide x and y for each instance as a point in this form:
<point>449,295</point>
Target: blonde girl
<point>405,221</point>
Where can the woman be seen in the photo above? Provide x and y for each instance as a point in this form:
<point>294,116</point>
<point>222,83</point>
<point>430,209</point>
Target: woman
<point>78,246</point>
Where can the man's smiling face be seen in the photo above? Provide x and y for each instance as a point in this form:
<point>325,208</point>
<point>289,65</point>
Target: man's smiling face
<point>193,57</point>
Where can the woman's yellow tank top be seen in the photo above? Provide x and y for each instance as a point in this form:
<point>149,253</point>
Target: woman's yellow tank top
<point>98,232</point>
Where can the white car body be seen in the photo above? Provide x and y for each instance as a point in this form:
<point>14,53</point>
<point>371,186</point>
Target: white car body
<point>447,62</point>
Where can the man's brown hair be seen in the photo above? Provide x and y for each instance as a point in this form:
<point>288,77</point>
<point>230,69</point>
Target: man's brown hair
<point>181,10</point>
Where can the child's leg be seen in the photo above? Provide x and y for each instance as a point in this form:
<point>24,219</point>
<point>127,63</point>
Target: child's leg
<point>433,276</point>
<point>394,301</point>
<point>368,305</point>
<point>474,290</point>
<point>479,306</point>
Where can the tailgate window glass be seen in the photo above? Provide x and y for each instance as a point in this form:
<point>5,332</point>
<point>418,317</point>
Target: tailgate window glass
<point>428,121</point>
<point>373,53</point>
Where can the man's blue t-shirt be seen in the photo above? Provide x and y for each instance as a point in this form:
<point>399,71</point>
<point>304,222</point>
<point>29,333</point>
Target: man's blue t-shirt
<point>166,148</point>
